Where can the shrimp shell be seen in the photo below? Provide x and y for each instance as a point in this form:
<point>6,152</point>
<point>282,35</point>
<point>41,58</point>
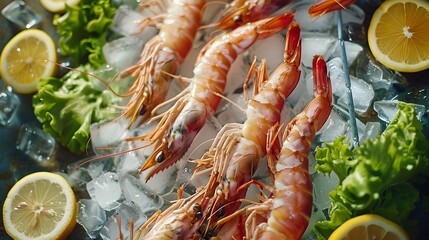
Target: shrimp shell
<point>240,12</point>
<point>292,200</point>
<point>327,6</point>
<point>181,123</point>
<point>162,54</point>
<point>236,156</point>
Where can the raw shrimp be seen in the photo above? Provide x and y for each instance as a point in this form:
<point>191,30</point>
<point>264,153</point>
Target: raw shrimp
<point>173,223</point>
<point>327,6</point>
<point>199,101</point>
<point>247,141</point>
<point>239,12</point>
<point>161,57</point>
<point>235,153</point>
<point>289,208</point>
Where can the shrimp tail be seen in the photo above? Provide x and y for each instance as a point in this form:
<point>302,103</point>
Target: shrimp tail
<point>327,6</point>
<point>275,24</point>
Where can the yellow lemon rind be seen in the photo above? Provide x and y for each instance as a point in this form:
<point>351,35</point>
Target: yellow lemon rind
<point>372,39</point>
<point>64,227</point>
<point>368,219</point>
<point>51,60</point>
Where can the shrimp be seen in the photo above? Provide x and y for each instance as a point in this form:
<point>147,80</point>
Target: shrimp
<point>327,6</point>
<point>184,219</point>
<point>180,124</point>
<point>175,222</point>
<point>239,12</point>
<point>161,55</point>
<point>289,208</point>
<point>236,155</point>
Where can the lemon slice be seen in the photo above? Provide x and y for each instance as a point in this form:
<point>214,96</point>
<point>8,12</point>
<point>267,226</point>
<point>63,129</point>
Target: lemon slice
<point>41,205</point>
<point>58,6</point>
<point>369,226</point>
<point>27,57</point>
<point>398,35</point>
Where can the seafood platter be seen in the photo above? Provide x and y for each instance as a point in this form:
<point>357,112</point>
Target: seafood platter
<point>203,119</point>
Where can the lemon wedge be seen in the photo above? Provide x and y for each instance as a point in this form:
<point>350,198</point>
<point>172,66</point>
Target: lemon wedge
<point>41,205</point>
<point>27,57</point>
<point>58,6</point>
<point>369,226</point>
<point>398,35</point>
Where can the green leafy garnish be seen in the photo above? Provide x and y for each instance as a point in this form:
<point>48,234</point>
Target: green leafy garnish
<point>378,176</point>
<point>83,28</point>
<point>67,106</point>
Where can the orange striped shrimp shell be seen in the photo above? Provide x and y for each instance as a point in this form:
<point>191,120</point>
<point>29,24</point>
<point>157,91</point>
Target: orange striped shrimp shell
<point>236,157</point>
<point>239,12</point>
<point>163,53</point>
<point>181,123</point>
<point>292,200</point>
<point>327,6</point>
<point>173,223</point>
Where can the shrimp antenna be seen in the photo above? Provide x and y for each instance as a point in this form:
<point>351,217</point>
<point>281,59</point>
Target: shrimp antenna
<point>111,155</point>
<point>230,101</point>
<point>96,77</point>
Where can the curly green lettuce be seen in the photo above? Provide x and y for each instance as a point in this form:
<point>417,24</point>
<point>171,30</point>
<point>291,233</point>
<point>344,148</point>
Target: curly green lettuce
<point>67,106</point>
<point>378,176</point>
<point>83,28</point>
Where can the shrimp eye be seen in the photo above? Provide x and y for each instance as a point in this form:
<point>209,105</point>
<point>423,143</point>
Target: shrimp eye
<point>238,18</point>
<point>199,214</point>
<point>160,157</point>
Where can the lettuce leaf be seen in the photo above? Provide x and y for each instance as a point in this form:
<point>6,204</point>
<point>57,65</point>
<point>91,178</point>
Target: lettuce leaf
<point>67,106</point>
<point>83,29</point>
<point>377,176</point>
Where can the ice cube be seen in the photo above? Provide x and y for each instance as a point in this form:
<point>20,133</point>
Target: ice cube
<point>106,190</point>
<point>127,22</point>
<point>232,112</point>
<point>145,198</point>
<point>353,14</point>
<point>91,216</point>
<point>322,185</point>
<point>387,110</point>
<point>163,182</point>
<point>127,212</point>
<point>133,4</point>
<point>316,44</point>
<point>308,23</point>
<point>372,130</point>
<point>123,52</point>
<point>363,96</point>
<point>419,95</point>
<point>352,51</point>
<point>334,127</point>
<point>35,143</point>
<point>107,136</point>
<point>271,48</point>
<point>363,92</point>
<point>78,177</point>
<point>237,74</point>
<point>386,83</point>
<point>338,124</point>
<point>21,14</point>
<point>301,94</point>
<point>9,105</point>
